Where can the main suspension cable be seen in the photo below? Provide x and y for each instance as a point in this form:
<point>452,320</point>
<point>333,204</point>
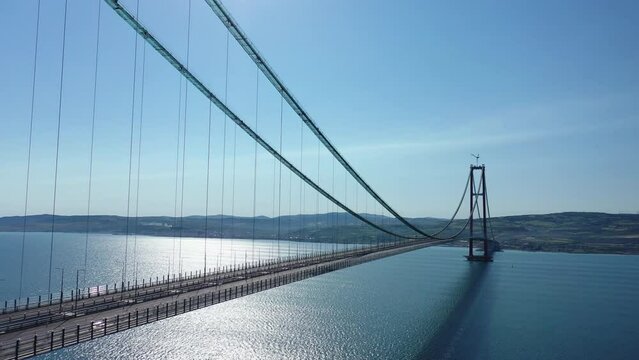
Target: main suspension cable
<point>268,72</point>
<point>126,16</point>
<point>457,210</point>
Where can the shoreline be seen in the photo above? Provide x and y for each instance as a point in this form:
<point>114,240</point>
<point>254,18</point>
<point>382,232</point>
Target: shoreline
<point>455,244</point>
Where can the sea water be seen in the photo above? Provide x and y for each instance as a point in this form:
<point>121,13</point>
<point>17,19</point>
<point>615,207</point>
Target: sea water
<point>424,304</point>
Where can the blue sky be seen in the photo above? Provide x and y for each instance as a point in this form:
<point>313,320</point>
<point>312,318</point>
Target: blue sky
<point>546,92</point>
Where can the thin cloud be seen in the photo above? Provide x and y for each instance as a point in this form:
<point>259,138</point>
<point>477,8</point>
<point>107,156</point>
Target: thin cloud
<point>518,125</point>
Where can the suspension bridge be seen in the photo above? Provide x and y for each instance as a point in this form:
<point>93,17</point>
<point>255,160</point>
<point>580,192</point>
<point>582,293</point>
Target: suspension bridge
<point>323,220</point>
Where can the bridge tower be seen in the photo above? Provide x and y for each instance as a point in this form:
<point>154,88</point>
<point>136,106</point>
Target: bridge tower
<point>478,205</point>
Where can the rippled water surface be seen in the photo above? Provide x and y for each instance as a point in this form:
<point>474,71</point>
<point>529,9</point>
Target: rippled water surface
<point>429,303</point>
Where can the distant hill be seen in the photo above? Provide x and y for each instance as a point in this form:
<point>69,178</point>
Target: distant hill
<point>570,232</point>
<point>576,232</point>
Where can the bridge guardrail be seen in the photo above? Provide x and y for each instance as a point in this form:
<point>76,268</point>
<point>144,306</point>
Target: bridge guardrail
<point>185,286</point>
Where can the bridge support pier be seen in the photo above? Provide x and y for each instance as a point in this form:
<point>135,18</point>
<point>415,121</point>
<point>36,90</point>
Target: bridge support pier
<point>475,203</point>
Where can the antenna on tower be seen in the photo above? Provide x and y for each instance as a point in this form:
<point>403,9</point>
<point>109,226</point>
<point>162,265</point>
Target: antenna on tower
<point>476,158</point>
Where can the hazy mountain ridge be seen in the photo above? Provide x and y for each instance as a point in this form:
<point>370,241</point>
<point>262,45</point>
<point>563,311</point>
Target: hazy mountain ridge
<point>566,232</point>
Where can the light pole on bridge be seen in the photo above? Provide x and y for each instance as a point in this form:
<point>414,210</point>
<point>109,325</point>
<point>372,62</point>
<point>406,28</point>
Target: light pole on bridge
<point>168,273</point>
<point>61,286</point>
<point>77,286</point>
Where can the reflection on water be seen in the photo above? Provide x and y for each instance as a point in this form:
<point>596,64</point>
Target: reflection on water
<point>156,256</point>
<point>449,330</point>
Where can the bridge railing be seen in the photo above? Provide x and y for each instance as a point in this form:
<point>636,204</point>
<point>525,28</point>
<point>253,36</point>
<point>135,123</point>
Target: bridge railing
<point>73,309</point>
<point>57,339</point>
<point>51,299</point>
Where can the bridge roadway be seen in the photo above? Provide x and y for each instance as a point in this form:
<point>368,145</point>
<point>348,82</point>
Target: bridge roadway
<point>27,332</point>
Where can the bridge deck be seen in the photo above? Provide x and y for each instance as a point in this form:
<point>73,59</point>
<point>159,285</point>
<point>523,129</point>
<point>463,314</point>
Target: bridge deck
<point>35,331</point>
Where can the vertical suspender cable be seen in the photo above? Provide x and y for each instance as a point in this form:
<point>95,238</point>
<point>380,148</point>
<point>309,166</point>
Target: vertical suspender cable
<point>257,102</point>
<point>226,84</point>
<point>208,175</point>
<point>357,205</point>
<point>232,236</point>
<point>365,203</point>
<point>290,209</point>
<point>95,93</point>
<point>30,137</point>
<point>383,216</point>
<point>57,145</point>
<point>356,197</point>
<point>383,221</point>
<point>128,196</point>
<point>223,184</point>
<point>317,200</point>
<point>337,229</point>
<point>378,212</point>
<point>279,192</point>
<point>301,235</point>
<point>334,224</point>
<point>177,172</point>
<point>137,190</point>
<point>186,103</point>
<point>346,215</point>
<point>328,218</point>
<point>273,219</point>
<point>490,219</point>
<point>374,218</point>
